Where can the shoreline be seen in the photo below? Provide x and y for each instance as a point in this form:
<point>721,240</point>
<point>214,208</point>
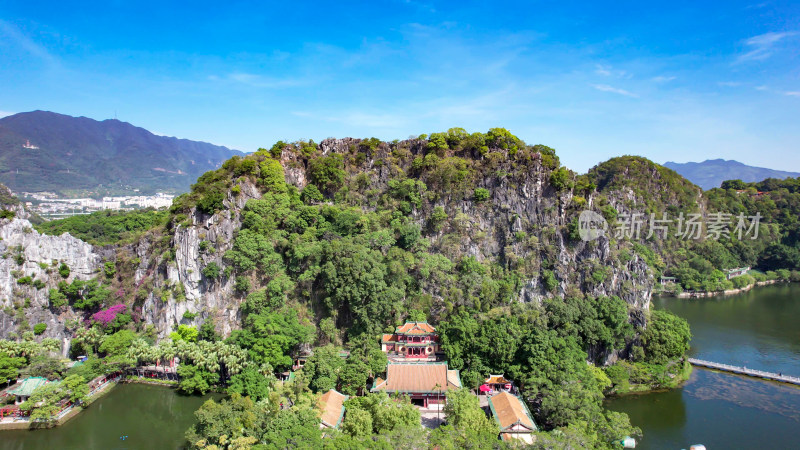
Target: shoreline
<point>704,294</point>
<point>75,411</point>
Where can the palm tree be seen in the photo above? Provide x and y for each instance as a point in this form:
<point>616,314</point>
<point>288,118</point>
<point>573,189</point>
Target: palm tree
<point>438,387</point>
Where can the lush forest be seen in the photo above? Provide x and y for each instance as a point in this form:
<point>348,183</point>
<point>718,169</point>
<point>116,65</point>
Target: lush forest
<point>336,263</point>
<point>699,260</point>
<point>106,227</point>
<point>379,234</point>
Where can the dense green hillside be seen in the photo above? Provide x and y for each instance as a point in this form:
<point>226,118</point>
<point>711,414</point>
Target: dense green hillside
<point>82,156</point>
<point>637,186</point>
<point>329,245</point>
<point>106,227</point>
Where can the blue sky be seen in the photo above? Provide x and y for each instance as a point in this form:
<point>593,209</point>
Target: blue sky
<point>670,81</point>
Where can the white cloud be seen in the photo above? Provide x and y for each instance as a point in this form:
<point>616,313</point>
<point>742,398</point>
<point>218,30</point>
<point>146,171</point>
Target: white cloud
<point>612,89</point>
<point>792,93</point>
<point>6,114</point>
<point>259,81</point>
<point>763,46</point>
<point>729,83</point>
<point>603,70</point>
<point>608,71</point>
<point>663,79</point>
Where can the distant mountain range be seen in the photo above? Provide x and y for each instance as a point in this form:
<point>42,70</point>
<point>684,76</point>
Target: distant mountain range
<point>45,151</point>
<point>712,172</point>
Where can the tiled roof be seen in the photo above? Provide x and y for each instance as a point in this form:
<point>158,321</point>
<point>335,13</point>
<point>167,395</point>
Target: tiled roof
<point>416,377</point>
<point>496,379</point>
<point>509,410</point>
<point>331,405</point>
<point>28,385</point>
<point>415,328</point>
<point>389,338</point>
<point>453,378</point>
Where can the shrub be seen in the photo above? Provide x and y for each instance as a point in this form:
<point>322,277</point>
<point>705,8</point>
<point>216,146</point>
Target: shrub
<point>57,298</point>
<point>560,179</point>
<point>39,328</point>
<point>63,270</point>
<point>211,202</point>
<point>38,284</point>
<point>326,173</point>
<point>25,280</point>
<point>242,284</point>
<point>189,315</point>
<point>549,280</point>
<point>311,194</point>
<point>211,271</point>
<point>110,269</point>
<point>204,246</point>
<point>481,195</point>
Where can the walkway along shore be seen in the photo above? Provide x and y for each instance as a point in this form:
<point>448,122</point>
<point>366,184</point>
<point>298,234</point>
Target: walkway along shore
<point>24,423</point>
<point>745,371</point>
<point>701,294</point>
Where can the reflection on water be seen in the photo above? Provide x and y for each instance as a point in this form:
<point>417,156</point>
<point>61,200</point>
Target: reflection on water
<point>149,417</point>
<point>758,329</point>
<point>769,397</point>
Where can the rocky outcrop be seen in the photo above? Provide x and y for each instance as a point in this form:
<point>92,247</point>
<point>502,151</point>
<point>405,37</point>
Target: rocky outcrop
<point>26,253</point>
<point>523,225</point>
<point>183,286</point>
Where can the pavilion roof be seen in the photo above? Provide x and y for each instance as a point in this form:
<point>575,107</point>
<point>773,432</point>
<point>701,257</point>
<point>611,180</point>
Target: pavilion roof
<point>497,379</point>
<point>508,410</point>
<point>331,405</point>
<point>415,328</point>
<point>28,385</point>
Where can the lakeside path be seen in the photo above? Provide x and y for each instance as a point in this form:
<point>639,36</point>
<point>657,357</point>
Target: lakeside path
<point>21,423</point>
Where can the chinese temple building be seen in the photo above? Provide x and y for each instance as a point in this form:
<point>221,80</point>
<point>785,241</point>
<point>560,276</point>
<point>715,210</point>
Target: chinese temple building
<point>425,383</point>
<point>513,417</point>
<point>412,340</point>
<point>26,388</point>
<point>331,408</point>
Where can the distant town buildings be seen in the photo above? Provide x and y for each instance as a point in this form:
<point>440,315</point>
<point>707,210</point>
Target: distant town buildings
<point>49,205</point>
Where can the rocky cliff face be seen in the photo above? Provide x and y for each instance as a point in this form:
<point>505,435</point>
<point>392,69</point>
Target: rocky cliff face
<point>524,225</point>
<point>524,222</point>
<point>180,281</point>
<point>26,253</point>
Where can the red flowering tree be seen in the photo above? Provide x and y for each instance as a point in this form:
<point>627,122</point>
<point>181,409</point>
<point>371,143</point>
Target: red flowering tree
<point>106,316</point>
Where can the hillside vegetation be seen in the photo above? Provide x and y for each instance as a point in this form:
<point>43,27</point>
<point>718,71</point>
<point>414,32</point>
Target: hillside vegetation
<point>328,245</point>
<point>83,157</point>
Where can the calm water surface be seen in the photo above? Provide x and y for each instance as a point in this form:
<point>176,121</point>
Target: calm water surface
<point>152,417</point>
<point>758,329</point>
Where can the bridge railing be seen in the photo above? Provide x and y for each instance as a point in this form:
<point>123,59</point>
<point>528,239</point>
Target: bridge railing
<point>745,371</point>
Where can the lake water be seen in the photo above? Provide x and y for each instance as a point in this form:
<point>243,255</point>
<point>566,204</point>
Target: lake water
<point>152,417</point>
<point>759,329</point>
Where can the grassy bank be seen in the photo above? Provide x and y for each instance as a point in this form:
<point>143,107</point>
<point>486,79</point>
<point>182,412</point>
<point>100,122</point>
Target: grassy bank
<point>631,377</point>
